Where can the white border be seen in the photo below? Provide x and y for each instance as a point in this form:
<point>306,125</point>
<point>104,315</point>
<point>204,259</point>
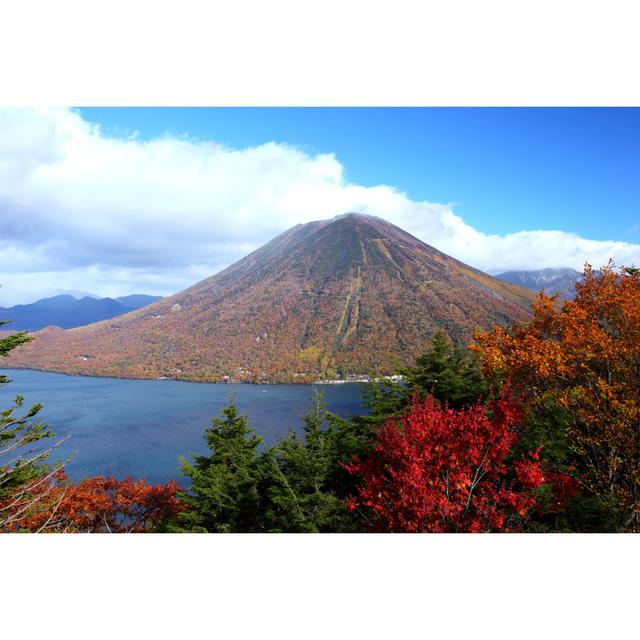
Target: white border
<point>335,52</point>
<point>315,586</point>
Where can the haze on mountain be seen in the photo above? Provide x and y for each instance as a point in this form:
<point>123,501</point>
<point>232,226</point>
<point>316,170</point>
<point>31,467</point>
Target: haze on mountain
<point>67,311</point>
<point>561,281</point>
<point>350,295</point>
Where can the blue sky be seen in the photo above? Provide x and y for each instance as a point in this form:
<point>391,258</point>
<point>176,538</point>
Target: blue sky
<point>120,201</point>
<point>503,169</point>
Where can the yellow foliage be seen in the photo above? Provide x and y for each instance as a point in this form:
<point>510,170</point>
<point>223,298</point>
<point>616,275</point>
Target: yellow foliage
<point>310,354</point>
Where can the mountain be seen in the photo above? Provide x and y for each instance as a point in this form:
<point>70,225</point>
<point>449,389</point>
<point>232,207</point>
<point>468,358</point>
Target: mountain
<point>66,311</point>
<point>136,301</point>
<point>350,295</point>
<point>562,281</point>
<point>76,293</point>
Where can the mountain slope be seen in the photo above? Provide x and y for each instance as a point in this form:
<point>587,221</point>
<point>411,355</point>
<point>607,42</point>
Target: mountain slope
<point>66,312</point>
<point>562,281</point>
<point>354,294</point>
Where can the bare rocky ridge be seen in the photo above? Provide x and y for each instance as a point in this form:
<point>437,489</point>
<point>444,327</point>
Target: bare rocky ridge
<point>350,295</point>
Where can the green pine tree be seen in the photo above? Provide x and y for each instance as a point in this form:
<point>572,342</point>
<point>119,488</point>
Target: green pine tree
<point>224,495</point>
<point>23,468</point>
<point>450,374</point>
<point>302,492</point>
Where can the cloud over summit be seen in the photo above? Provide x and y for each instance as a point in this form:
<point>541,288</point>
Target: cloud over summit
<point>82,210</point>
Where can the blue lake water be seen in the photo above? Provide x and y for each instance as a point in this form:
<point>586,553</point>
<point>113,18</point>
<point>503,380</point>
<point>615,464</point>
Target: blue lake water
<point>141,427</point>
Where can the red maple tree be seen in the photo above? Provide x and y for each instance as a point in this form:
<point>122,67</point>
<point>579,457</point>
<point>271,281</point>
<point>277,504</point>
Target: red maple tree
<point>444,470</point>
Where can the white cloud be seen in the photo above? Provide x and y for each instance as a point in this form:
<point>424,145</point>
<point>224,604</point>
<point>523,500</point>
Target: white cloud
<point>80,210</point>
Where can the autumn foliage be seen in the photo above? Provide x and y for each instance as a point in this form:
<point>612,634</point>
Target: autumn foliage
<point>355,295</point>
<point>444,470</point>
<point>557,449</point>
<point>585,358</point>
<point>96,505</point>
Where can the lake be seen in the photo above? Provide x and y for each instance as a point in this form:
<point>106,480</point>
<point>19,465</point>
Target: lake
<point>140,427</point>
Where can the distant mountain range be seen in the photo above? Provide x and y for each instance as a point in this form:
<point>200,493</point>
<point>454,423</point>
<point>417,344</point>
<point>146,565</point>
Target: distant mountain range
<point>66,311</point>
<point>562,281</point>
<point>350,295</point>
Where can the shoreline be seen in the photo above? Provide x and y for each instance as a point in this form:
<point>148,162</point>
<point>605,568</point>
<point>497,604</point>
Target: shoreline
<point>335,381</point>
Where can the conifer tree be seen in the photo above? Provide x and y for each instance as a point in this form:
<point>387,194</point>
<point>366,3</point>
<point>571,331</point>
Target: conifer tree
<point>447,373</point>
<point>25,479</point>
<point>224,495</point>
<point>302,492</point>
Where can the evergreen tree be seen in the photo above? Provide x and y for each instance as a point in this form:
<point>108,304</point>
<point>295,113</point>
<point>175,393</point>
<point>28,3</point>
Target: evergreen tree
<point>303,492</point>
<point>23,472</point>
<point>449,374</point>
<point>382,399</point>
<point>10,342</point>
<point>224,495</point>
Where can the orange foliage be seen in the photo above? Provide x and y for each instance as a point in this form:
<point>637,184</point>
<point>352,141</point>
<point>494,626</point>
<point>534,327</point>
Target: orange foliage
<point>98,505</point>
<point>585,356</point>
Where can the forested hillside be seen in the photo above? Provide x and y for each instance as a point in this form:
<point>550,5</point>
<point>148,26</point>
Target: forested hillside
<point>351,295</point>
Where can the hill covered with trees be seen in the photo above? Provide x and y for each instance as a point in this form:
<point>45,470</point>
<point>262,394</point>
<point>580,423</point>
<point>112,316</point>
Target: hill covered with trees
<point>350,295</point>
